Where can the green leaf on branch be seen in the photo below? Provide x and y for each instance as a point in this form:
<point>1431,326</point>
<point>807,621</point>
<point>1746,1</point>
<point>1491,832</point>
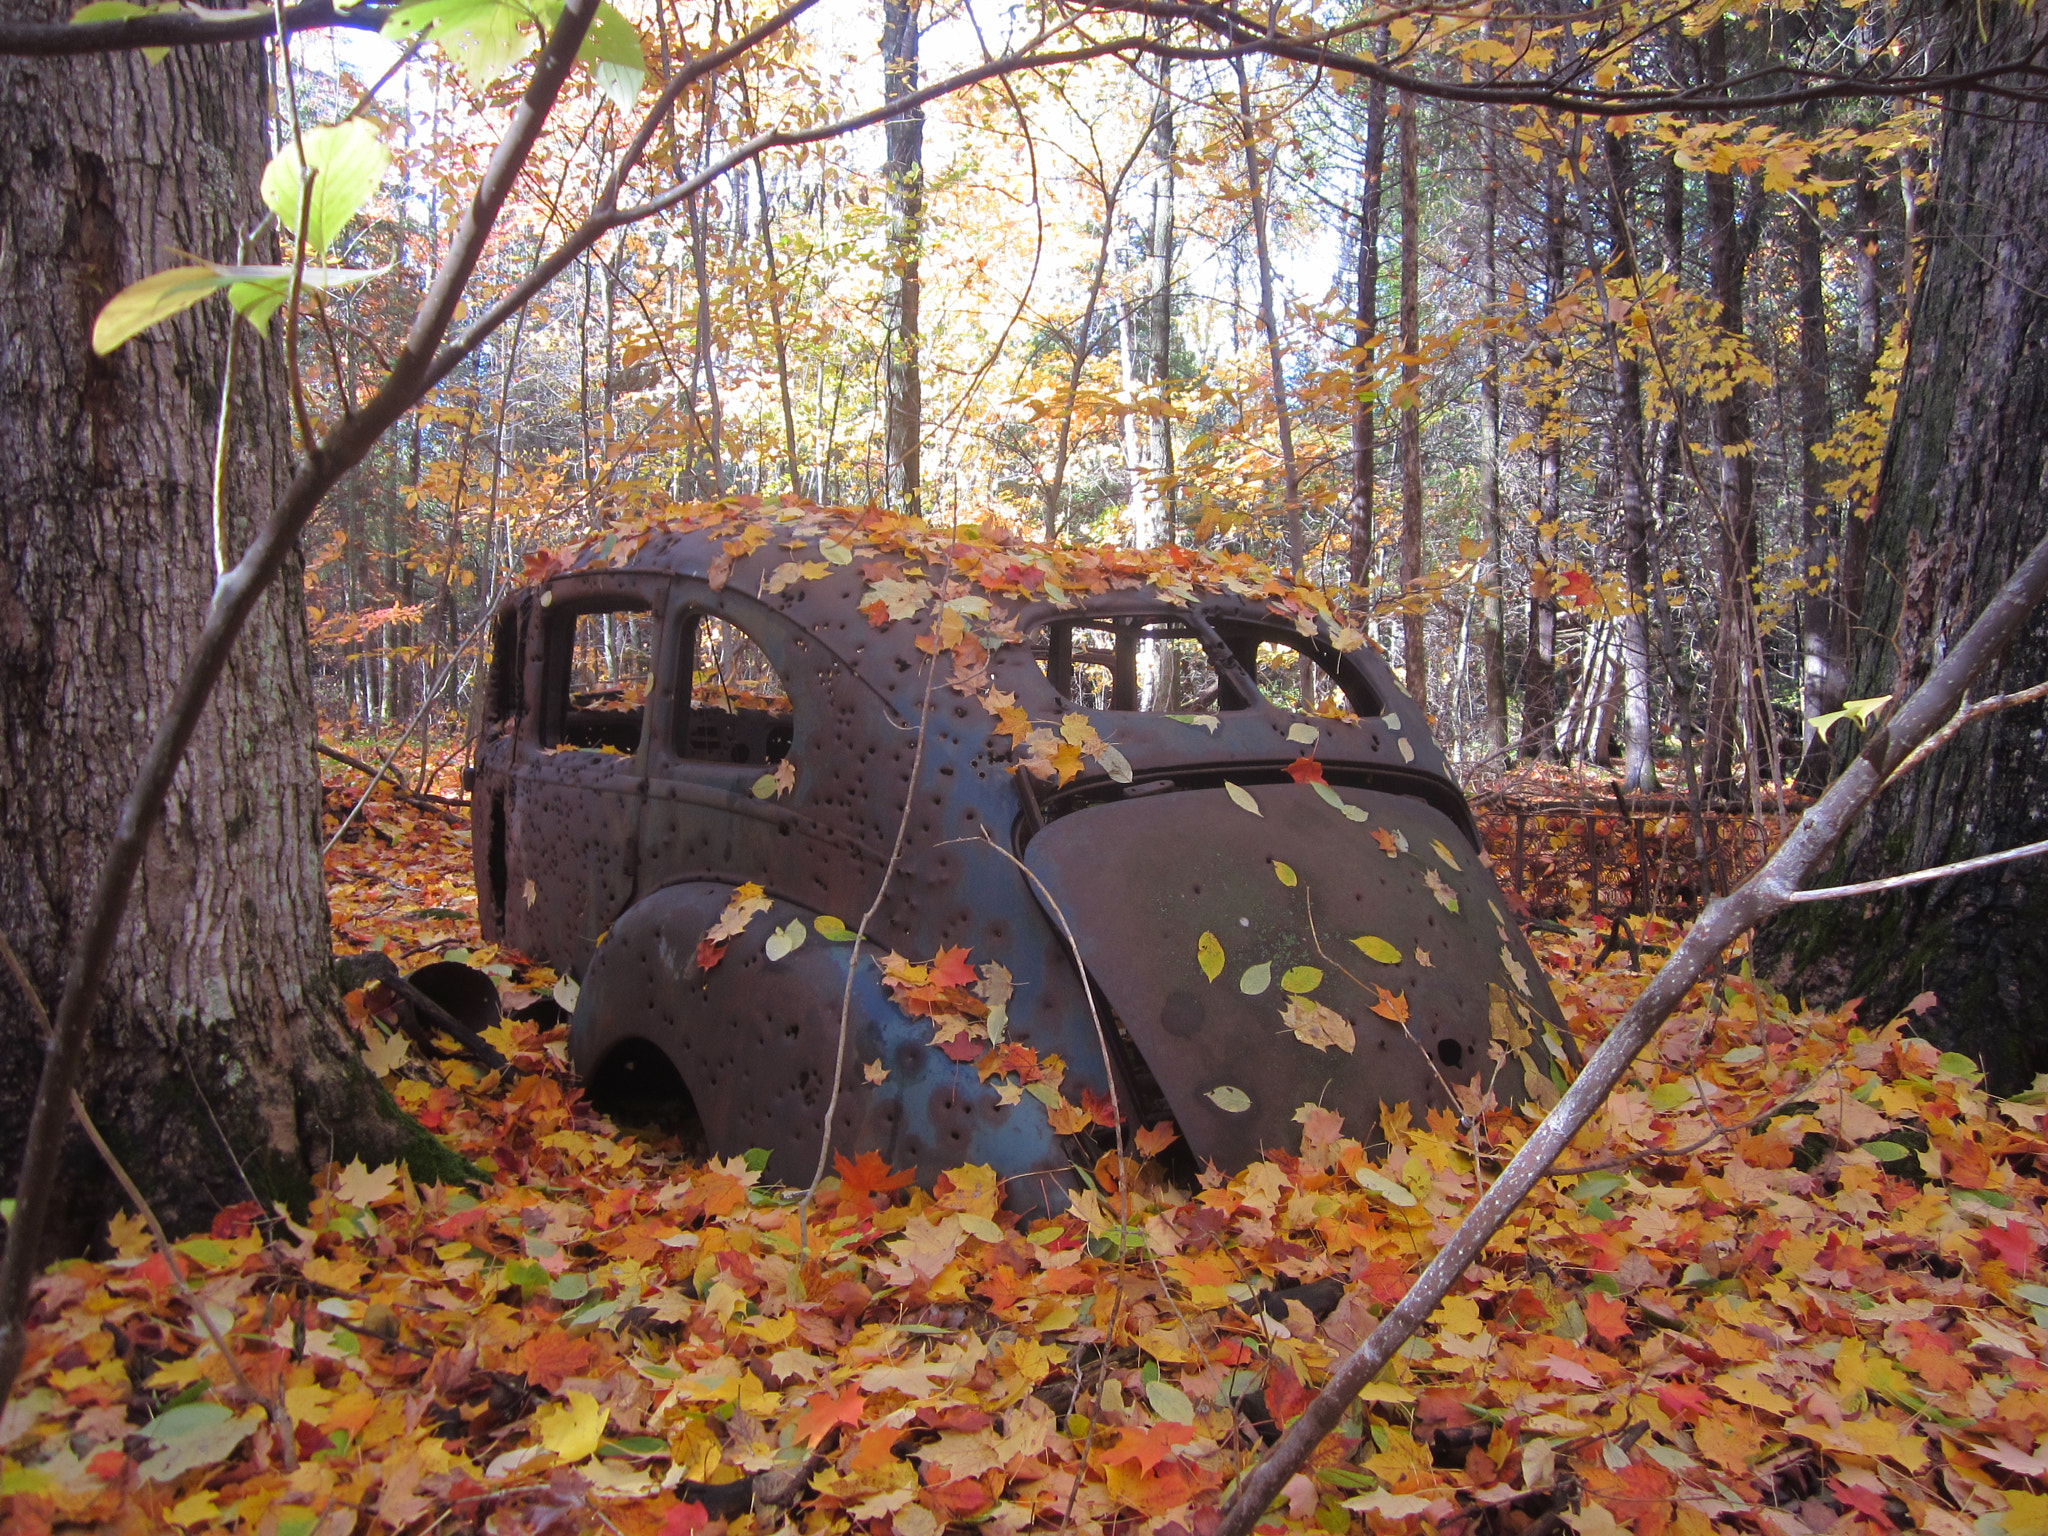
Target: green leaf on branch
<point>258,292</point>
<point>348,160</point>
<point>127,10</point>
<point>487,37</point>
<point>612,50</point>
<point>157,297</point>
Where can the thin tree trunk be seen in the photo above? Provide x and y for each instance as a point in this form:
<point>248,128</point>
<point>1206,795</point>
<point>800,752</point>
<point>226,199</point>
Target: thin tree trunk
<point>1729,684</point>
<point>903,179</point>
<point>1365,343</point>
<point>1148,438</point>
<point>1870,335</point>
<point>789,449</point>
<point>1493,665</point>
<point>1639,771</point>
<point>1160,309</point>
<point>1539,657</point>
<point>1414,662</point>
<point>1255,182</point>
<point>1824,677</point>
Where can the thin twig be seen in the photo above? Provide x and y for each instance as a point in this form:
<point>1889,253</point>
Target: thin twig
<point>1921,876</point>
<point>1967,716</point>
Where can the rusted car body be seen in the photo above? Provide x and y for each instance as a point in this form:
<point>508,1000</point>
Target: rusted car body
<point>768,732</point>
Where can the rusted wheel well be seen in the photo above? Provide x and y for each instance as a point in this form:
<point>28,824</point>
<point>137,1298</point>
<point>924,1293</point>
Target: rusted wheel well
<point>639,1088</point>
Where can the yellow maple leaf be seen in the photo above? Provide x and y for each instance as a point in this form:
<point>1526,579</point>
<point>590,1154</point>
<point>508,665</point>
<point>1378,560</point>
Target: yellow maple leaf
<point>357,1185</point>
<point>573,1428</point>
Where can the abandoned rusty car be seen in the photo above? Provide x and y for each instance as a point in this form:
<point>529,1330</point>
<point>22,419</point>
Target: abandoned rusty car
<point>1171,846</point>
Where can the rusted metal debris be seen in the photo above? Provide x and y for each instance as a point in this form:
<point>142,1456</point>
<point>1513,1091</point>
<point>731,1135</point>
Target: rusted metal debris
<point>626,785</point>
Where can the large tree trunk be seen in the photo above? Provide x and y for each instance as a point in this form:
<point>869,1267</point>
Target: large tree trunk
<point>218,1054</point>
<point>1964,494</point>
<point>903,177</point>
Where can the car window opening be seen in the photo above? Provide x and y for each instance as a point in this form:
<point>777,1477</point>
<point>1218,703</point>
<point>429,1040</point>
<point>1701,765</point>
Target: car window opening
<point>1160,666</point>
<point>600,696</point>
<point>1293,672</point>
<point>1153,666</point>
<point>739,711</point>
<point>508,637</point>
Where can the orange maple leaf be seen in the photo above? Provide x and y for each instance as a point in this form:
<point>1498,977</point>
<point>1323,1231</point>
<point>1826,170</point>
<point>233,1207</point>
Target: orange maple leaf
<point>866,1176</point>
<point>1305,770</point>
<point>1147,1446</point>
<point>951,969</point>
<point>1155,1139</point>
<point>824,1412</point>
<point>551,1358</point>
<point>1392,1005</point>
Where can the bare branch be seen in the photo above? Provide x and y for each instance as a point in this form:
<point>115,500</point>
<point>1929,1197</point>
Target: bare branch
<point>179,29</point>
<point>1967,716</point>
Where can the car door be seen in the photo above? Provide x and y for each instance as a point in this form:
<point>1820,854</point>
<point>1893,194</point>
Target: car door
<point>595,674</point>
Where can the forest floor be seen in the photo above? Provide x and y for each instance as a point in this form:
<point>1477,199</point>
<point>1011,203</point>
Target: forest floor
<point>1792,1283</point>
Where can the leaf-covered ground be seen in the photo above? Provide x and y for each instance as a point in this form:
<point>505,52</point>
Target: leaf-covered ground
<point>1795,1287</point>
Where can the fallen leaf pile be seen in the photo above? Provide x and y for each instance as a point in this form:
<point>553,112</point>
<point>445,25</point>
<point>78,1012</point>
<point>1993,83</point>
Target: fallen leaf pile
<point>1793,1283</point>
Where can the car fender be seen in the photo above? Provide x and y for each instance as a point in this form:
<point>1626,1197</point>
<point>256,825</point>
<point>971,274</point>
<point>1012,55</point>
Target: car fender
<point>755,1042</point>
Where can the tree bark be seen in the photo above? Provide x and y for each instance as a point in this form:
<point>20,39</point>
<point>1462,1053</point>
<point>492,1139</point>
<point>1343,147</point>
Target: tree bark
<point>1964,492</point>
<point>219,1063</point>
<point>903,177</point>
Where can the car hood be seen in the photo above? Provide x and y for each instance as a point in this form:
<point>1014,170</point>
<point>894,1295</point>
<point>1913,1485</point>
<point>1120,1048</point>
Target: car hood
<point>1202,915</point>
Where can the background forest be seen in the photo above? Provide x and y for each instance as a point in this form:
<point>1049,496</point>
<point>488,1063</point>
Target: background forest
<point>1581,416</point>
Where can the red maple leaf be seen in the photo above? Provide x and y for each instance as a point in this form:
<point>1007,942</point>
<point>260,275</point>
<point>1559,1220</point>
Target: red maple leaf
<point>950,969</point>
<point>709,954</point>
<point>684,1519</point>
<point>1101,1110</point>
<point>2012,1245</point>
<point>1305,770</point>
<point>824,1412</point>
